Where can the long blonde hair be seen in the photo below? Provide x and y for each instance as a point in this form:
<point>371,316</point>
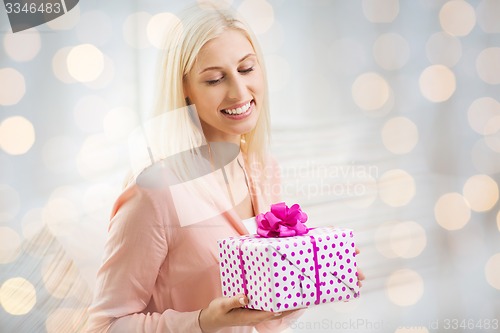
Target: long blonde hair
<point>183,42</point>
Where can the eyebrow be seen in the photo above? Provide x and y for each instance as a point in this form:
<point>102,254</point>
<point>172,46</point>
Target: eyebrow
<point>216,67</point>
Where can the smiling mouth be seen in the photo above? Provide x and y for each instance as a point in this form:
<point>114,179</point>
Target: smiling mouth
<point>237,111</point>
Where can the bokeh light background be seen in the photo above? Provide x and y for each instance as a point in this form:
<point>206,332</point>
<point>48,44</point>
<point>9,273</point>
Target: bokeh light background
<point>386,119</point>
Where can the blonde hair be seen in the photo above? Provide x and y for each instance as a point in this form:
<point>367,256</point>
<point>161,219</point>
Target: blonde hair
<point>183,42</point>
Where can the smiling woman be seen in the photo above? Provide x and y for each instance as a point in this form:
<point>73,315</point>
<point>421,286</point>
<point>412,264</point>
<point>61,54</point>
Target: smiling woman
<point>226,88</point>
<point>160,271</point>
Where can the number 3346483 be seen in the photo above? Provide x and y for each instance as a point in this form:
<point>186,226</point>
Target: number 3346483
<point>33,8</point>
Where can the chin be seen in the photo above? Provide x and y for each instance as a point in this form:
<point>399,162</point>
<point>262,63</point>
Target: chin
<point>246,128</point>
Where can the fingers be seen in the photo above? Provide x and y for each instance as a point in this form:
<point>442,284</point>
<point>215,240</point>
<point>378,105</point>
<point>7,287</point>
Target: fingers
<point>289,312</point>
<point>361,277</point>
<point>235,302</point>
<point>360,274</point>
<point>226,312</point>
<point>247,317</point>
<point>233,312</point>
<point>222,312</point>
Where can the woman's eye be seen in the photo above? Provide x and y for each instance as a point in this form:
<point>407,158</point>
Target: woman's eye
<point>246,70</point>
<point>214,82</point>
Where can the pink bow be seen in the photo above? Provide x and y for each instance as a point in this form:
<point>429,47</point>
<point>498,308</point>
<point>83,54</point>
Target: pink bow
<point>282,221</point>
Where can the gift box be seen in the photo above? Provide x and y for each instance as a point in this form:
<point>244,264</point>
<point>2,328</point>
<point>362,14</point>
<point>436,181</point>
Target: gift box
<point>284,273</point>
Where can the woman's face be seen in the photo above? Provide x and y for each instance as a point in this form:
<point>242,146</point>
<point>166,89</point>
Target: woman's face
<point>227,87</point>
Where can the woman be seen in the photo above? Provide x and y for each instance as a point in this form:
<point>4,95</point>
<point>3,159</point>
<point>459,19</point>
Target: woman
<point>160,272</point>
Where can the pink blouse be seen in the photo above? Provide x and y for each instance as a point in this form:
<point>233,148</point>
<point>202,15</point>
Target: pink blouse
<point>158,272</point>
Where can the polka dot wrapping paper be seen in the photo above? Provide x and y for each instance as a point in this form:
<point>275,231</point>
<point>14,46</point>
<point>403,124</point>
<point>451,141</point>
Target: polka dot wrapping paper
<point>279,274</point>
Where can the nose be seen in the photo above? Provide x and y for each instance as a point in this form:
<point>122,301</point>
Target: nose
<point>237,88</point>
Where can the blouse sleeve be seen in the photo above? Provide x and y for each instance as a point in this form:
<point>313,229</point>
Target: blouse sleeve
<point>133,254</point>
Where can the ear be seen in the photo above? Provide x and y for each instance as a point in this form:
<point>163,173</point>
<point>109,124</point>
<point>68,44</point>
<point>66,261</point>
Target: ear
<point>185,87</point>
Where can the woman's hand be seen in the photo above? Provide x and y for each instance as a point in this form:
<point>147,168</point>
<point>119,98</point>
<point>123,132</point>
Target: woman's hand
<point>228,311</point>
<point>361,275</point>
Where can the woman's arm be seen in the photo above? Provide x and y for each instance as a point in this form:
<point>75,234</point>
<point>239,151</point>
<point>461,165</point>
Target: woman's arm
<point>134,252</point>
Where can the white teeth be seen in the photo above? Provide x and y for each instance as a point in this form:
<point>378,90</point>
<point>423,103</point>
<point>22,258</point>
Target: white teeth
<point>239,110</point>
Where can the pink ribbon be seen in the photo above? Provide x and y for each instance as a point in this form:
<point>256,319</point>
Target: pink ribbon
<point>316,269</point>
<point>242,267</point>
<point>282,221</point>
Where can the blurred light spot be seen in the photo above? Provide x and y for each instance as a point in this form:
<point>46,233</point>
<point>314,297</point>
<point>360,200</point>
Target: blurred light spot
<point>405,239</point>
<point>498,220</point>
<point>346,56</point>
<point>95,156</point>
<point>60,276</point>
<point>492,271</point>
<point>59,154</point>
<point>158,25</point>
<point>416,329</point>
<point>481,192</point>
<point>391,51</point>
<point>85,62</point>
<point>408,239</point>
<point>444,49</point>
<point>71,193</point>
<point>22,46</point>
<point>382,239</point>
<point>368,191</point>
<point>258,13</point>
<point>480,112</point>
<point>119,123</point>
<point>17,296</point>
<point>17,135</point>
<point>60,215</point>
<point>437,83</point>
<point>97,199</point>
<point>488,65</point>
<point>278,72</point>
<point>384,110</point>
<point>59,65</point>
<point>492,140</point>
<point>12,86</point>
<point>482,158</point>
<point>32,223</point>
<point>67,21</point>
<point>94,27</point>
<point>65,320</point>
<point>9,203</point>
<point>487,16</point>
<point>457,17</point>
<point>396,187</point>
<point>381,11</point>
<point>106,77</point>
<point>135,31</point>
<point>11,245</point>
<point>399,135</point>
<point>370,91</point>
<point>452,211</point>
<point>404,287</point>
<point>221,4</point>
<point>89,112</point>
